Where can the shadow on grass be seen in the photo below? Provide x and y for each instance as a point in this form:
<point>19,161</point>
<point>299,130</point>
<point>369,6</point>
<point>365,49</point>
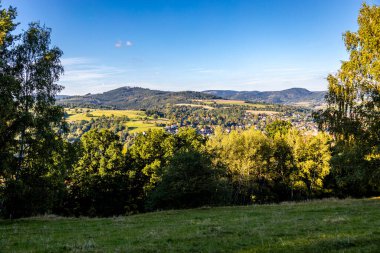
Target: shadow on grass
<point>340,244</point>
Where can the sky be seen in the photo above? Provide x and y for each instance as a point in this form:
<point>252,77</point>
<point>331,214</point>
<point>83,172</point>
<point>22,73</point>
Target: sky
<point>194,44</point>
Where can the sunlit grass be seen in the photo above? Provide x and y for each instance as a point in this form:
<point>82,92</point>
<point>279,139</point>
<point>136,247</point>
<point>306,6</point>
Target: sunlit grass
<point>138,120</point>
<point>87,114</point>
<point>137,126</point>
<point>317,226</point>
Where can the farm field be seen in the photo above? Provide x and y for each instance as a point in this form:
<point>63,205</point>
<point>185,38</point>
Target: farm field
<point>330,225</point>
<point>86,114</point>
<point>138,120</point>
<point>136,126</point>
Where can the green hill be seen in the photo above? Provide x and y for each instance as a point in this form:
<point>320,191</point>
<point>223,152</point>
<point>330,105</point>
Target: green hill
<point>316,226</point>
<point>137,98</point>
<point>288,96</point>
<point>133,98</point>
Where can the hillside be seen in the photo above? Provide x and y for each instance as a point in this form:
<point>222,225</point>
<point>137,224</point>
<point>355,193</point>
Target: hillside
<point>134,98</point>
<point>314,226</point>
<point>141,98</point>
<point>289,96</point>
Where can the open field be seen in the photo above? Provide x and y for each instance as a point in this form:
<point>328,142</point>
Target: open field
<point>84,114</point>
<point>136,126</point>
<point>318,226</point>
<point>138,120</point>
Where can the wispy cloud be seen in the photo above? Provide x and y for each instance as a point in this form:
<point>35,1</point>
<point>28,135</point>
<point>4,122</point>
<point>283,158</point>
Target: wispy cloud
<point>83,75</point>
<point>74,61</point>
<point>118,44</point>
<point>206,70</point>
<point>287,70</point>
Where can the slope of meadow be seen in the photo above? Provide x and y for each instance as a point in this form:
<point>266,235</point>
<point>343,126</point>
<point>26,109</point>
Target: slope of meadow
<point>318,226</point>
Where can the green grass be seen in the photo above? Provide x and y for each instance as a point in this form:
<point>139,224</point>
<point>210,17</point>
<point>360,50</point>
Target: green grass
<point>81,114</point>
<point>136,126</point>
<point>317,226</point>
<point>139,121</point>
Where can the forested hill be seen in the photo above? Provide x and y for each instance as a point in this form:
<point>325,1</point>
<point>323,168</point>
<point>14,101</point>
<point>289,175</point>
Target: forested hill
<point>134,98</point>
<point>289,96</point>
<point>141,98</point>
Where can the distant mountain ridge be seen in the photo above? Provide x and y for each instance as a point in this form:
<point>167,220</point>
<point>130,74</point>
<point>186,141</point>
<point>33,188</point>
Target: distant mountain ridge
<point>134,98</point>
<point>288,96</point>
<point>142,98</point>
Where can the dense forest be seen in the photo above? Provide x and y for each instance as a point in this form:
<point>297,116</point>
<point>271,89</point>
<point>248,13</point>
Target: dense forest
<point>98,173</point>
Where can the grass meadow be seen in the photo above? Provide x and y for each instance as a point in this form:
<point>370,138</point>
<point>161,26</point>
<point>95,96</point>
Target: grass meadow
<point>138,122</point>
<point>330,225</point>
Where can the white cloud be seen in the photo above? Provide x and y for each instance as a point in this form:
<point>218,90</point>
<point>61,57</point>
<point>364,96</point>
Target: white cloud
<point>118,44</point>
<point>74,61</point>
<point>129,43</point>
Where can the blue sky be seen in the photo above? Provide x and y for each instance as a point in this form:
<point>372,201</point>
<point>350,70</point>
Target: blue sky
<point>195,44</point>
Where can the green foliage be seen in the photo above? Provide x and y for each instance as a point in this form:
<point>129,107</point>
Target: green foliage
<point>283,167</point>
<point>264,169</point>
<point>9,86</point>
<point>278,126</point>
<point>149,153</point>
<point>188,181</point>
<point>246,156</point>
<point>312,159</point>
<point>100,182</point>
<point>100,154</point>
<point>353,111</point>
<point>188,139</point>
<point>30,122</point>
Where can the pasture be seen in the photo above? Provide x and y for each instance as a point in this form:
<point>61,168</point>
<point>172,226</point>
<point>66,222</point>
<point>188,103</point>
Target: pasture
<point>330,225</point>
<point>138,120</point>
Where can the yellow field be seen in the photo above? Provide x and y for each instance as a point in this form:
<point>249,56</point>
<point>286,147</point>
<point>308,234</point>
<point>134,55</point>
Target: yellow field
<point>138,119</point>
<point>82,114</point>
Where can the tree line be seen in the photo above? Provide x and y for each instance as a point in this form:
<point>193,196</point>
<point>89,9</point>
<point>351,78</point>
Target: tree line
<point>98,175</point>
<point>101,176</point>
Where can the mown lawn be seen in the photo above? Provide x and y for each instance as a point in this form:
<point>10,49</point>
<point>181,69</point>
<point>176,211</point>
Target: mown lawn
<point>317,226</point>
